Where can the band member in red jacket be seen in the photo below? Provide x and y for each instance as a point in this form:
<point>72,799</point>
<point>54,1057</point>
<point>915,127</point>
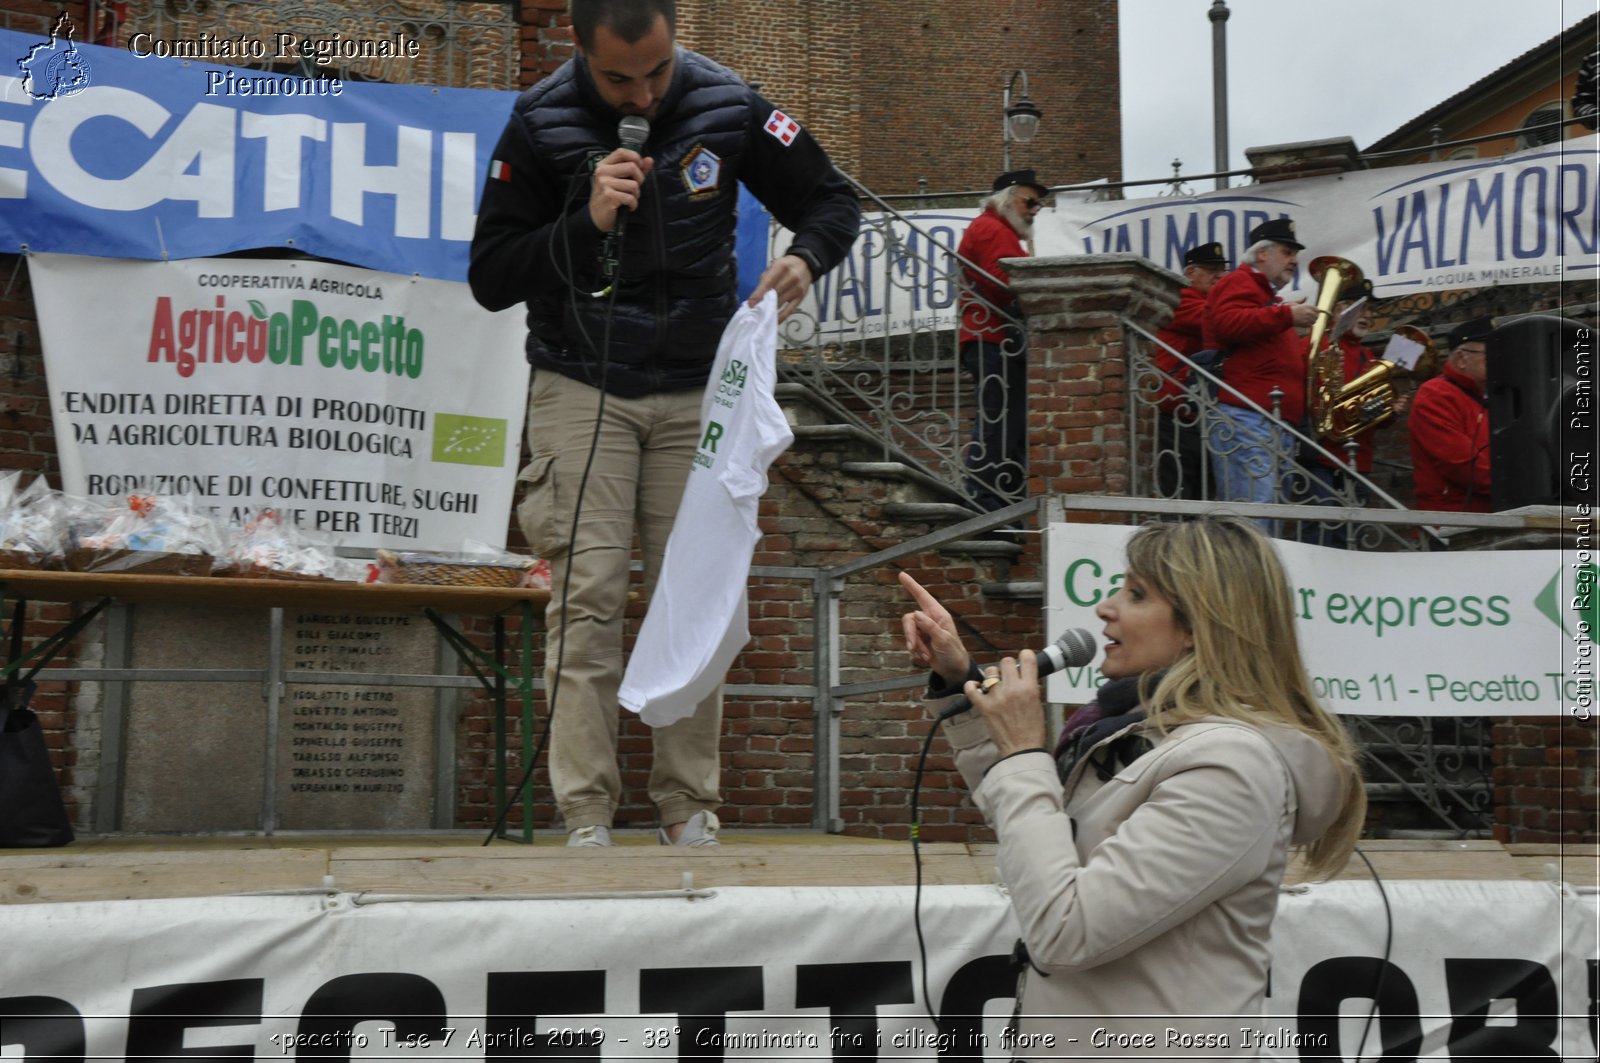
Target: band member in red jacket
<point>1450,426</point>
<point>993,346</point>
<point>1328,483</point>
<point>1180,450</point>
<point>1264,369</point>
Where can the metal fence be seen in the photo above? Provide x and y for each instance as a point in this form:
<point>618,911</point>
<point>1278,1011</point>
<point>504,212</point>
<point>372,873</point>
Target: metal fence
<point>877,346</point>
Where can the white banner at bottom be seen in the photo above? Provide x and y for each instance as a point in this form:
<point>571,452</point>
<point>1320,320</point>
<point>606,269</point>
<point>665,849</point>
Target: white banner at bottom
<point>1482,968</point>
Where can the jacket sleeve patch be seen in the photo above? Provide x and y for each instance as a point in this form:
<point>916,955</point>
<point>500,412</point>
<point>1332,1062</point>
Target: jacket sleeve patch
<point>783,127</point>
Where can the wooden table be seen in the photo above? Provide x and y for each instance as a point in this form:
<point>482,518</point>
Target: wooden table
<point>436,603</point>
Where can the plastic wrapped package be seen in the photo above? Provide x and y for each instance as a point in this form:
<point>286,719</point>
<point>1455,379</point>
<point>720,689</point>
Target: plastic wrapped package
<point>33,527</point>
<point>148,534</point>
<point>269,547</point>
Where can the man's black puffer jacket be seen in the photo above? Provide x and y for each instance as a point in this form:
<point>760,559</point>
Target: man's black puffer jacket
<point>536,243</point>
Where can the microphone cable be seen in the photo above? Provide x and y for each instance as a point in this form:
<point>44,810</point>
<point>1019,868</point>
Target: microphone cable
<point>1383,964</point>
<point>604,352</point>
<point>916,860</point>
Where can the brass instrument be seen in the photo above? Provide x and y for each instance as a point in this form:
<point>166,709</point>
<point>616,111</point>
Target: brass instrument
<point>1369,400</point>
<point>1324,359</point>
<point>1340,410</point>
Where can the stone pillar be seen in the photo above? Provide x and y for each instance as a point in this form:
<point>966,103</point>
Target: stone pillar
<point>1078,363</point>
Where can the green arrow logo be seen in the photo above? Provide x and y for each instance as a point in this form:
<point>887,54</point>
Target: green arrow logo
<point>1583,606</point>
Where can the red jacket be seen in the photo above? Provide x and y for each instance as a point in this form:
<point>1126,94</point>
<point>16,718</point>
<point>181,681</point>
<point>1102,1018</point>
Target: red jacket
<point>1245,318</point>
<point>1182,334</point>
<point>1450,444</point>
<point>987,240</point>
<point>1357,360</point>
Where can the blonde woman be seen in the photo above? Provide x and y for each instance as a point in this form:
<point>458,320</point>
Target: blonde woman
<point>1143,851</point>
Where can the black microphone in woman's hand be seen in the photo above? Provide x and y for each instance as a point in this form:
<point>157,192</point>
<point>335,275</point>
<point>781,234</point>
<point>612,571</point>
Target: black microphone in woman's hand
<point>1075,648</point>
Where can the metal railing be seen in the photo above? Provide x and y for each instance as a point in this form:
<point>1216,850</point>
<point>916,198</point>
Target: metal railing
<point>877,345</point>
<point>1181,437</point>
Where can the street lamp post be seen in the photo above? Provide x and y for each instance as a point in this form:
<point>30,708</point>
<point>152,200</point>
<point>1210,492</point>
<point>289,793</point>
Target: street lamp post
<point>1219,85</point>
<point>1021,118</point>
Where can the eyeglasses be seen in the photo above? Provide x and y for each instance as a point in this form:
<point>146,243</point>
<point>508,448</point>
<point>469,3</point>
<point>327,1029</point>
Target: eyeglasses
<point>1030,203</point>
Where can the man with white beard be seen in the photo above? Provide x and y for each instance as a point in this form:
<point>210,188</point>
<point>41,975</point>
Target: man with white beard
<point>993,341</point>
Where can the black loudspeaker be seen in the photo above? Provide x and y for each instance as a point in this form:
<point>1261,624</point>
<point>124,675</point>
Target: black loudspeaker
<point>1541,413</point>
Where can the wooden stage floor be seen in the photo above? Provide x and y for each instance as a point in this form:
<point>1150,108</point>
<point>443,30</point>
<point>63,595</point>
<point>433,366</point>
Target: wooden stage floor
<point>122,867</point>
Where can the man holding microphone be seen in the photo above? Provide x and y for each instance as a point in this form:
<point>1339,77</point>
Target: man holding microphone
<point>624,257</point>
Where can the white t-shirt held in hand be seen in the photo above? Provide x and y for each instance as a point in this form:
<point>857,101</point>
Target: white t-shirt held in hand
<point>699,618</point>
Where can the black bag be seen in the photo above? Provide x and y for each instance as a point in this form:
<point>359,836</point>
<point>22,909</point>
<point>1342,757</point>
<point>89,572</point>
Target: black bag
<point>31,812</point>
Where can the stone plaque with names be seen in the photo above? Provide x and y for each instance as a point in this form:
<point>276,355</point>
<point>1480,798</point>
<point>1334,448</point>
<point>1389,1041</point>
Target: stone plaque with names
<point>350,756</point>
<point>356,757</point>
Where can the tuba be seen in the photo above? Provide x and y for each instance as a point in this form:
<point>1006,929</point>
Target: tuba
<point>1340,410</point>
<point>1324,358</point>
<point>1369,400</point>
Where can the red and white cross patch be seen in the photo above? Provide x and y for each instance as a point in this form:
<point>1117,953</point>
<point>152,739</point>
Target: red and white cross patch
<point>783,127</point>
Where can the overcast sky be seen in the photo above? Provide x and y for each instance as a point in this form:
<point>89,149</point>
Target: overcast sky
<point>1303,70</point>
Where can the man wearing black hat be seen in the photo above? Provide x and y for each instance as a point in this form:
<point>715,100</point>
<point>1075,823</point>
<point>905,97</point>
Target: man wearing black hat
<point>1328,484</point>
<point>993,347</point>
<point>1264,366</point>
<point>1180,451</point>
<point>1450,426</point>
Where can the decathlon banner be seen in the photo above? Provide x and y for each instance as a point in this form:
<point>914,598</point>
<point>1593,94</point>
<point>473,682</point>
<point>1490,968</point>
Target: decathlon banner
<point>124,154</point>
<point>1501,633</point>
<point>380,409</point>
<point>1486,969</point>
<point>1521,218</point>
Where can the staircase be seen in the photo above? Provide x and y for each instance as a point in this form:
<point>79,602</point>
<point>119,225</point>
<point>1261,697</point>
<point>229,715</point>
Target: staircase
<point>895,497</point>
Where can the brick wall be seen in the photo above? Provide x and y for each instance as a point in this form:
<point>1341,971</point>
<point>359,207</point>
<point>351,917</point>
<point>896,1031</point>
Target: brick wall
<point>1545,786</point>
<point>900,91</point>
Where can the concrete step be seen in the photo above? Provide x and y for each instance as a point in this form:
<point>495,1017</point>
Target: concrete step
<point>900,472</point>
<point>990,548</point>
<point>1393,791</point>
<point>834,433</point>
<point>931,512</point>
<point>1015,590</point>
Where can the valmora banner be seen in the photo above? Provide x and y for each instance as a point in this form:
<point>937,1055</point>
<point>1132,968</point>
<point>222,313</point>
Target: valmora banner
<point>1488,970</point>
<point>1493,633</point>
<point>379,409</point>
<point>1522,218</point>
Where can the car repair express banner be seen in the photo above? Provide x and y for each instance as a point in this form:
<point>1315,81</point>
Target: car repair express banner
<point>380,409</point>
<point>1501,632</point>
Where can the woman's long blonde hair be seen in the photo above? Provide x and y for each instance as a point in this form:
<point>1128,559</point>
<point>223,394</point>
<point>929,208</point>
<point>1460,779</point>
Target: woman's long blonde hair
<point>1229,592</point>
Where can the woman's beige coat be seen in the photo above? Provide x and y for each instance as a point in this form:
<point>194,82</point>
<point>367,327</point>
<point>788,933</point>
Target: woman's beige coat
<point>1147,901</point>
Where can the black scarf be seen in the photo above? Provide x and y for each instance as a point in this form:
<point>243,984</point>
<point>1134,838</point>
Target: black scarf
<point>1116,705</point>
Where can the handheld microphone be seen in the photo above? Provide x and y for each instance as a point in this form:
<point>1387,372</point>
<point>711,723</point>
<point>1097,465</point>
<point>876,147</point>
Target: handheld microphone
<point>632,132</point>
<point>1075,648</point>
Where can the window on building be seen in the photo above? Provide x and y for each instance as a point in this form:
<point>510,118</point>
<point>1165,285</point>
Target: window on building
<point>1542,115</point>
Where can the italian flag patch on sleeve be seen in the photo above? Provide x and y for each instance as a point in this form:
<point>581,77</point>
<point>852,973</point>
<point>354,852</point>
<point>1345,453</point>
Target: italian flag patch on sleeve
<point>500,170</point>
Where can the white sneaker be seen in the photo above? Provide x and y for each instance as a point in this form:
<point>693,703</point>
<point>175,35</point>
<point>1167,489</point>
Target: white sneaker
<point>701,829</point>
<point>596,837</point>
